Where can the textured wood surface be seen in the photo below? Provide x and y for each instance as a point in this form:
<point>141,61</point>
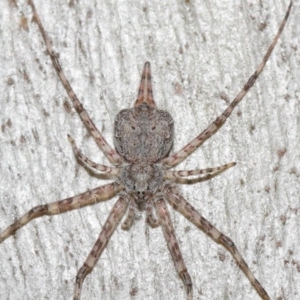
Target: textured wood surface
<point>201,54</point>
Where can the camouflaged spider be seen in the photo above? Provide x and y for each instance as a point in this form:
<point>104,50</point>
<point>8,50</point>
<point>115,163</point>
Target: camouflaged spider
<point>143,138</point>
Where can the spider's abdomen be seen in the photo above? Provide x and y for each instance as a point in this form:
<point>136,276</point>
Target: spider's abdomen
<point>143,134</point>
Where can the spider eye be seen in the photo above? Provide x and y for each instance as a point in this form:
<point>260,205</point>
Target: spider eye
<point>148,188</point>
<point>134,187</point>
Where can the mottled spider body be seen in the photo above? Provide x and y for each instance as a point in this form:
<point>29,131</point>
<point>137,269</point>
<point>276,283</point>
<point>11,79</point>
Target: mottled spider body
<point>143,136</point>
<point>141,160</point>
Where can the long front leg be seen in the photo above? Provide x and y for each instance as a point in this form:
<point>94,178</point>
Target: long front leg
<point>108,229</point>
<point>108,151</point>
<point>181,205</point>
<point>94,196</point>
<point>179,156</point>
<point>168,230</point>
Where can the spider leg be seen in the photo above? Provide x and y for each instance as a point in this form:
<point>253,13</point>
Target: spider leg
<point>172,175</point>
<point>108,229</point>
<point>181,205</point>
<point>168,230</point>
<point>130,216</point>
<point>94,196</point>
<point>179,156</point>
<point>145,94</point>
<point>193,180</point>
<point>151,219</point>
<point>108,151</point>
<point>110,171</point>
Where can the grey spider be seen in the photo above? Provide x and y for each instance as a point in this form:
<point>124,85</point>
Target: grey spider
<point>143,138</point>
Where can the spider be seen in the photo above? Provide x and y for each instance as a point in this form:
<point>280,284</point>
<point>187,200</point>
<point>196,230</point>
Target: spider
<point>143,138</point>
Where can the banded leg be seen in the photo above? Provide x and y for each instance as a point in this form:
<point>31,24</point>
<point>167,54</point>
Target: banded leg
<point>108,229</point>
<point>193,180</point>
<point>110,171</point>
<point>172,175</point>
<point>179,156</point>
<point>168,230</point>
<point>181,205</point>
<point>150,218</point>
<point>94,196</point>
<point>108,151</point>
<point>130,216</point>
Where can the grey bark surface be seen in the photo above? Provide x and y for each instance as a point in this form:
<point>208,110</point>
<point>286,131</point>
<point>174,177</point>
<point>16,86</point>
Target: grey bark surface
<point>201,54</point>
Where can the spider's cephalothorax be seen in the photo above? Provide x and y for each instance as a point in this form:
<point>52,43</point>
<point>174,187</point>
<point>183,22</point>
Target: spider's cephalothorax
<point>141,181</point>
<point>143,138</point>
